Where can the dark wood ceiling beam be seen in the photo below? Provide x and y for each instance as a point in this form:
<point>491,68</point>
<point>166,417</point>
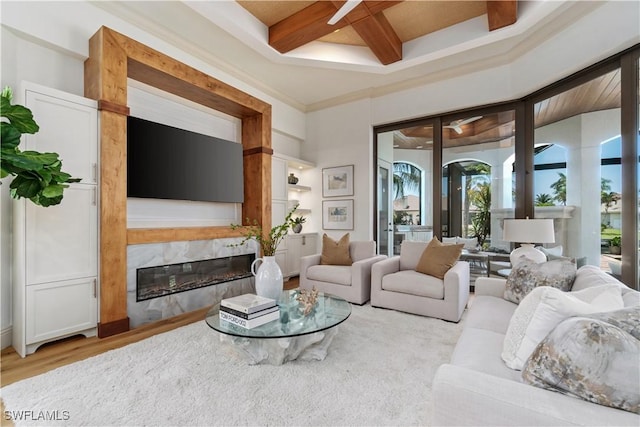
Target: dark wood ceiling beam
<point>304,27</point>
<point>310,24</point>
<point>378,34</point>
<point>501,13</point>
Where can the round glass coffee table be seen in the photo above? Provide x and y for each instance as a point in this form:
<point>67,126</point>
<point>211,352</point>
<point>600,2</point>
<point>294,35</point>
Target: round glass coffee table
<point>293,336</point>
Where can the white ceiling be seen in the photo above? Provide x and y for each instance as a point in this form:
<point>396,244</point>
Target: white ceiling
<point>319,74</point>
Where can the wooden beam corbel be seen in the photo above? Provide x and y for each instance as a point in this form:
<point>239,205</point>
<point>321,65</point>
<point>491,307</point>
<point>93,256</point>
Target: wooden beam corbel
<point>501,13</point>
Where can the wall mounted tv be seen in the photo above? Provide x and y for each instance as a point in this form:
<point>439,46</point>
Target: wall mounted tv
<point>165,162</point>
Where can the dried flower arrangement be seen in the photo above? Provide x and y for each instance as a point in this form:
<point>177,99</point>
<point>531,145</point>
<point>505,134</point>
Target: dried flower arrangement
<point>307,298</point>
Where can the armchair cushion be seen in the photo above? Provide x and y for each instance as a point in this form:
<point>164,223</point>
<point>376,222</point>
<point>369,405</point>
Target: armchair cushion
<point>438,258</point>
<point>414,283</point>
<point>335,253</point>
<point>340,274</point>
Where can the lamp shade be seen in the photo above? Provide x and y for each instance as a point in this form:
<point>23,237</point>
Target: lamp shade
<point>529,231</point>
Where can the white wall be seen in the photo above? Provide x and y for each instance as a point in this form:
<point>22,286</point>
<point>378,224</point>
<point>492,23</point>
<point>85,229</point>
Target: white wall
<point>47,43</point>
<point>342,136</point>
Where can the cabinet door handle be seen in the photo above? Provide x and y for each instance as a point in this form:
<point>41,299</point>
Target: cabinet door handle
<point>304,240</point>
<point>95,288</point>
<point>94,196</point>
<point>94,172</point>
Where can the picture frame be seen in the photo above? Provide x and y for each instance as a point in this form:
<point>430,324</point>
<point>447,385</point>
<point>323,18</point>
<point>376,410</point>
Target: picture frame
<point>337,181</point>
<point>337,214</point>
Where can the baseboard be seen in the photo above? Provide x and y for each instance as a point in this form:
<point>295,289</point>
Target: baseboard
<point>113,328</point>
<point>7,337</point>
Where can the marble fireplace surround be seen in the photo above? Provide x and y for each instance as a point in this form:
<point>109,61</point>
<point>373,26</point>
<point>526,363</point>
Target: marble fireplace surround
<point>156,254</point>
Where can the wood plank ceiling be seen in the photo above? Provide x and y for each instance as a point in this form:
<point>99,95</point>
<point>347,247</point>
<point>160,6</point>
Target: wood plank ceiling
<point>601,93</point>
<point>383,26</point>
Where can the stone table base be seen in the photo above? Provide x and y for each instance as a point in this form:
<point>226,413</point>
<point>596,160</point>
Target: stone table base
<point>276,351</point>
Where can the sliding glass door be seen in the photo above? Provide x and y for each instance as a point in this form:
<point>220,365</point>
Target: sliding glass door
<point>569,152</point>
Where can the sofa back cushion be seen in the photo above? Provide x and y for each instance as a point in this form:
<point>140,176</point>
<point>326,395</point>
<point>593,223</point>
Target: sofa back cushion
<point>410,253</point>
<point>590,275</point>
<point>470,243</point>
<point>360,250</point>
<point>554,251</point>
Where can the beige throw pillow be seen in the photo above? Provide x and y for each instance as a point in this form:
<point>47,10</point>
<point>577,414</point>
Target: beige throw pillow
<point>438,258</point>
<point>335,253</point>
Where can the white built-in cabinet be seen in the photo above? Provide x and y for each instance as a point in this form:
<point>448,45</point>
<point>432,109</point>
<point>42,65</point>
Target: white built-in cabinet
<point>298,246</point>
<point>284,197</point>
<point>55,274</point>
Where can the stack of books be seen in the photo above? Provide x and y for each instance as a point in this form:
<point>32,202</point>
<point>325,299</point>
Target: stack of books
<point>249,310</point>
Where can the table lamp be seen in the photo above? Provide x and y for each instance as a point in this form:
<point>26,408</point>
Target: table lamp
<point>527,232</point>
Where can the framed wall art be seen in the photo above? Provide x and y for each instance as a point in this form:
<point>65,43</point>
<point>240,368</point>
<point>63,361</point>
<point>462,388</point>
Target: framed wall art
<point>337,181</point>
<point>337,214</point>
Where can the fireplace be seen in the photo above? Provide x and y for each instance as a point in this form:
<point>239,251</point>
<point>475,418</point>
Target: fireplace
<point>154,282</point>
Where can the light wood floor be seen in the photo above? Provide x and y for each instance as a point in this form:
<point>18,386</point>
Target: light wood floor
<point>51,356</point>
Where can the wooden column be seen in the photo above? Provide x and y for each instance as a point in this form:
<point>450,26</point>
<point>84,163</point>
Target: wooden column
<point>106,81</point>
<point>113,58</point>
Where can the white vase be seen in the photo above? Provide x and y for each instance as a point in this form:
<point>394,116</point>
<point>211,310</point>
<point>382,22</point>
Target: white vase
<point>269,281</point>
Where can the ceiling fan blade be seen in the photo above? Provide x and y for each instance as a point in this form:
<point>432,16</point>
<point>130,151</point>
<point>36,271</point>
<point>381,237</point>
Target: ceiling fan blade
<point>455,126</point>
<point>342,12</point>
<point>469,120</point>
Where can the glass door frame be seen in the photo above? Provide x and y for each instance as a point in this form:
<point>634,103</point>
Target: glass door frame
<point>628,62</point>
<point>437,159</point>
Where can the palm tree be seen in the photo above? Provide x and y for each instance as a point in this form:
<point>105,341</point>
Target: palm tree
<point>480,196</point>
<point>405,177</point>
<point>544,199</point>
<point>560,189</point>
<point>478,190</point>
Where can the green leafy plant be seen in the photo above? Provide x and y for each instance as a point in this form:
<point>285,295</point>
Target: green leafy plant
<point>37,176</point>
<point>299,220</point>
<point>268,241</point>
<point>615,241</point>
<point>544,199</point>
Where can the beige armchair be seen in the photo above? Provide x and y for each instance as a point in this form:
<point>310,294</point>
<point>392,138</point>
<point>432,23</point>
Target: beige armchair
<point>396,285</point>
<point>351,282</point>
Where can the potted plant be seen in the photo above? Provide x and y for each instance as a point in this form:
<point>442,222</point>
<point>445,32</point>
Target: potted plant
<point>297,224</point>
<point>614,245</point>
<point>268,241</point>
<point>37,176</point>
<point>269,282</point>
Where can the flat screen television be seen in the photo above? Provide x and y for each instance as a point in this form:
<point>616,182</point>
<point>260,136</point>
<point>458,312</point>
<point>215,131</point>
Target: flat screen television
<point>164,162</point>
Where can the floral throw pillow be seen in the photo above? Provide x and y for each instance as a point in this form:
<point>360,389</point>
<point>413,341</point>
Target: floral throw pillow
<point>592,359</point>
<point>528,275</point>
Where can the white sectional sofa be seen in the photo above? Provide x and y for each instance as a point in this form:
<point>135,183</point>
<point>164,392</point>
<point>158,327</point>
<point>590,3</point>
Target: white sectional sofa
<point>476,388</point>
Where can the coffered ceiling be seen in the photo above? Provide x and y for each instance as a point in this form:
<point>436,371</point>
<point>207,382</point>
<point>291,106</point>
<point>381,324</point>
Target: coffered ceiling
<point>382,26</point>
<point>437,38</point>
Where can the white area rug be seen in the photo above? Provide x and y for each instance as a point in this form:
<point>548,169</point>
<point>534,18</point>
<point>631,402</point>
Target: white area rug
<point>378,372</point>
